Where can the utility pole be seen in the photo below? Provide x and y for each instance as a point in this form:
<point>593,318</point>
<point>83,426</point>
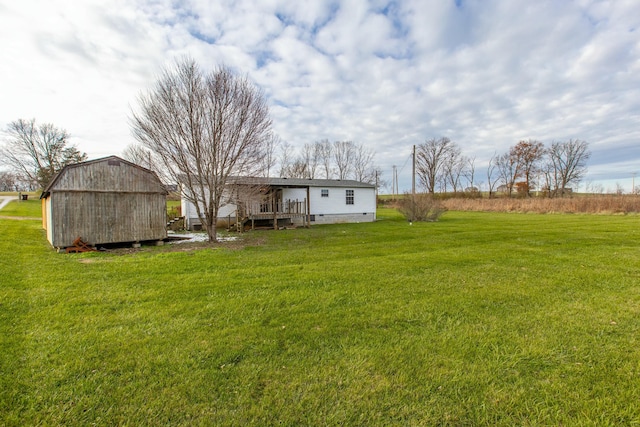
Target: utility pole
<point>413,173</point>
<point>377,184</point>
<point>413,185</point>
<point>394,177</point>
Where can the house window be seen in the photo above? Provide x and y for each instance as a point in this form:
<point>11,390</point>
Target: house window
<point>349,197</point>
<point>324,192</point>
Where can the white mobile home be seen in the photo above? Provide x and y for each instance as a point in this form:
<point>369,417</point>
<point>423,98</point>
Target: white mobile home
<point>274,201</point>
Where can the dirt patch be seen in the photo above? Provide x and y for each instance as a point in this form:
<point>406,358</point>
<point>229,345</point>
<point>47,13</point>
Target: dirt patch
<point>225,243</point>
<point>88,260</point>
<point>187,245</point>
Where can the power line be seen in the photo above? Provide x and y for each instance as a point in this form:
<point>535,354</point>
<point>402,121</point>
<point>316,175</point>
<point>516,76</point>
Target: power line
<point>406,161</point>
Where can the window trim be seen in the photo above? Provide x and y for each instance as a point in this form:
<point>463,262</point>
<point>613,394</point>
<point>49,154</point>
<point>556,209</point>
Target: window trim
<point>350,196</point>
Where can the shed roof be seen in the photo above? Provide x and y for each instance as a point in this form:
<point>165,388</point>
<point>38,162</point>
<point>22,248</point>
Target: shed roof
<point>56,177</point>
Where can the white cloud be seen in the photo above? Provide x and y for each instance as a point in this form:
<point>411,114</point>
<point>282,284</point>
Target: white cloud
<point>387,74</point>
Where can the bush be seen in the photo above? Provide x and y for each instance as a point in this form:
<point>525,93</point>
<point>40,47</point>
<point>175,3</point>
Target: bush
<point>421,207</point>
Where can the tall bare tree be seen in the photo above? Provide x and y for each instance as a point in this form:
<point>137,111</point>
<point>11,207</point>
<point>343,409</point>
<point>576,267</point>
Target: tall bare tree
<point>454,167</point>
<point>343,153</point>
<point>431,157</point>
<point>37,153</point>
<point>507,167</point>
<point>364,169</point>
<point>291,165</point>
<point>311,158</point>
<point>286,157</point>
<point>469,173</point>
<point>269,159</point>
<point>492,176</point>
<point>568,164</point>
<point>325,152</point>
<point>206,127</point>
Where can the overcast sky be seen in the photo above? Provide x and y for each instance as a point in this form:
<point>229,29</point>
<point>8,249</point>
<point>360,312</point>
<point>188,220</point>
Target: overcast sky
<point>485,73</point>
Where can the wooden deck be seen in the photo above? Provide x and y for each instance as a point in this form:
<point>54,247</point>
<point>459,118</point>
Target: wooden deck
<point>275,211</point>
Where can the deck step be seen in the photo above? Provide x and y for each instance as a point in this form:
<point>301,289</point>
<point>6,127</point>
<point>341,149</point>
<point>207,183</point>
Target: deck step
<point>174,220</point>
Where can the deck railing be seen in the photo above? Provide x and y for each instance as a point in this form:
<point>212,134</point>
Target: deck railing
<point>277,208</point>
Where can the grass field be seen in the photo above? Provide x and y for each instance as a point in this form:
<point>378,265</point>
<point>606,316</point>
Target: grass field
<point>598,204</point>
<point>478,319</point>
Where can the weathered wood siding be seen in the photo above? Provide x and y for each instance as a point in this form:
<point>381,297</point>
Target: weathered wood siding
<point>106,201</point>
<point>109,175</point>
<point>100,218</point>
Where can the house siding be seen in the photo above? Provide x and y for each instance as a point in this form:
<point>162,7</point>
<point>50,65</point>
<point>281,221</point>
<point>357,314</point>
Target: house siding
<point>336,203</point>
<point>190,213</point>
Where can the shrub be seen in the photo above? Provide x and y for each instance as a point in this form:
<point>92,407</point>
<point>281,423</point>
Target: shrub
<point>421,207</point>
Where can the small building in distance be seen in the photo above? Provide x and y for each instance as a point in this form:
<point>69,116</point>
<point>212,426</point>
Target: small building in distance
<point>104,201</point>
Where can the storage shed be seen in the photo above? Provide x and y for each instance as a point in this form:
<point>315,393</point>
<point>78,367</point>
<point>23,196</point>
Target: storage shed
<point>102,201</point>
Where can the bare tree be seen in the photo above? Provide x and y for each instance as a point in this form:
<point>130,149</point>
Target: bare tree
<point>295,169</point>
<point>286,158</point>
<point>469,173</point>
<point>507,168</point>
<point>325,153</point>
<point>363,168</point>
<point>311,158</point>
<point>343,153</point>
<point>8,181</point>
<point>454,166</point>
<point>37,153</point>
<point>269,160</point>
<point>492,176</point>
<point>138,154</point>
<point>303,166</point>
<point>247,194</point>
<point>142,156</point>
<point>431,157</point>
<point>546,173</point>
<point>206,128</point>
<point>569,163</point>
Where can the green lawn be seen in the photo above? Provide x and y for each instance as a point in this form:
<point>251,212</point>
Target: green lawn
<point>478,319</point>
<point>31,208</point>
